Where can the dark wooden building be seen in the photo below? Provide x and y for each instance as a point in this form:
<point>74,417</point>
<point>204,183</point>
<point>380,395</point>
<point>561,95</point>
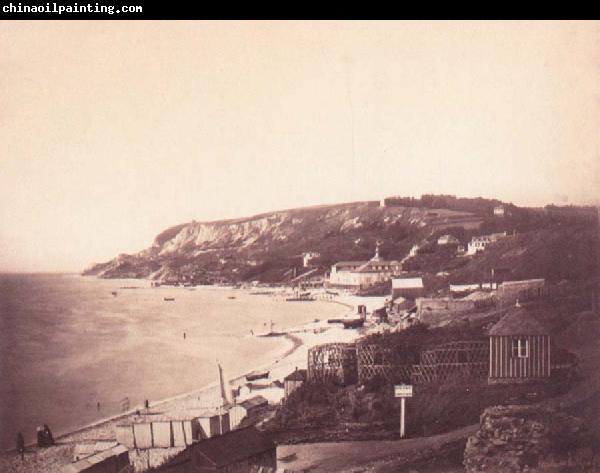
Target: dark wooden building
<point>519,349</point>
<point>294,380</point>
<point>242,450</point>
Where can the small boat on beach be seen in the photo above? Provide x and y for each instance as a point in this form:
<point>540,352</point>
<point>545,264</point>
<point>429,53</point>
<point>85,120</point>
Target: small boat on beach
<point>168,299</point>
<point>231,297</point>
<point>114,293</point>
<point>254,375</point>
<point>353,323</point>
<point>304,297</point>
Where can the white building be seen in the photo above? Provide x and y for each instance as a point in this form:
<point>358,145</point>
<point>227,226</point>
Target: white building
<point>409,288</point>
<point>358,274</point>
<point>499,211</point>
<point>308,257</point>
<point>479,243</point>
<point>447,240</point>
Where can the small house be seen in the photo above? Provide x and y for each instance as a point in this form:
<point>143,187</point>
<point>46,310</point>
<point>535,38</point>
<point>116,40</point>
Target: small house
<point>245,449</point>
<point>293,381</point>
<point>479,243</point>
<point>519,349</point>
<point>446,240</point>
<point>237,415</point>
<point>245,410</point>
<point>499,211</point>
<point>409,288</point>
<point>308,257</point>
<point>254,403</point>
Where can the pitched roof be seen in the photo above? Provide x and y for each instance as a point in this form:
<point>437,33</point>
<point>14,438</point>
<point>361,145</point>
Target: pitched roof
<point>254,402</point>
<point>232,447</point>
<point>518,322</point>
<point>296,375</point>
<point>371,266</point>
<point>349,263</point>
<point>407,283</point>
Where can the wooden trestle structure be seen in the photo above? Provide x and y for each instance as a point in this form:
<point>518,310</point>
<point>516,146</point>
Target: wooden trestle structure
<point>375,360</point>
<point>347,363</point>
<point>334,362</point>
<point>464,359</point>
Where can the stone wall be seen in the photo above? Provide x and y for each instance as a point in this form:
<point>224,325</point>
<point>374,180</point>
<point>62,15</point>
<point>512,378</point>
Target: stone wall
<point>529,439</point>
<point>433,310</point>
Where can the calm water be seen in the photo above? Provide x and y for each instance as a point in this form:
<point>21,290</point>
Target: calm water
<point>66,344</point>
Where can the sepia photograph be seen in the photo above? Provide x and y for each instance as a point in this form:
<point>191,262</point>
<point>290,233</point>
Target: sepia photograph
<point>284,246</point>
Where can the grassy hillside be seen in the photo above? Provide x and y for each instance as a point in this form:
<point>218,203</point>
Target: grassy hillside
<point>267,247</point>
<point>554,243</point>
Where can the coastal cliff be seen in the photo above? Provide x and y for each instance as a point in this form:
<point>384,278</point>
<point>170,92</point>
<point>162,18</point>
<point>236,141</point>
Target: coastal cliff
<point>267,247</point>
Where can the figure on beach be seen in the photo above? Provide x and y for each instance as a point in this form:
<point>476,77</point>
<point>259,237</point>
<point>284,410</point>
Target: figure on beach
<point>21,445</point>
<point>184,335</point>
<point>44,436</point>
<point>48,435</point>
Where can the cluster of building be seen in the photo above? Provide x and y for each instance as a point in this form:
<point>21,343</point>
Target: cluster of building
<point>220,439</point>
<point>361,274</point>
<point>479,243</point>
<point>190,440</point>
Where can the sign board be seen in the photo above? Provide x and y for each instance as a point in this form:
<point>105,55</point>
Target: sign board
<point>403,390</point>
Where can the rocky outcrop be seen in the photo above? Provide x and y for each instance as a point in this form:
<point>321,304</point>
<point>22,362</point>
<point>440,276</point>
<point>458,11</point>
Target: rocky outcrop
<point>530,439</point>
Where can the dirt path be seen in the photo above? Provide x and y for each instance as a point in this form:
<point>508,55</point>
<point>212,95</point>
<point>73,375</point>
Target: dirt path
<point>356,456</point>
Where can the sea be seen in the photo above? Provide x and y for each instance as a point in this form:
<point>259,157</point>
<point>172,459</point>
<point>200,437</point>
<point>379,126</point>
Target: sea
<point>72,352</point>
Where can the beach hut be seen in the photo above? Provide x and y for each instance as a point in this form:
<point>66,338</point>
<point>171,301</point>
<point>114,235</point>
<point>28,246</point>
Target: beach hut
<point>247,409</point>
<point>160,432</point>
<point>293,381</point>
<point>237,414</point>
<point>212,422</point>
<point>519,349</point>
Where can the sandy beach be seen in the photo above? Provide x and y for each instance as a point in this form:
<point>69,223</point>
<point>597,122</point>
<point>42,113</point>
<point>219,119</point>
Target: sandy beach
<point>290,353</point>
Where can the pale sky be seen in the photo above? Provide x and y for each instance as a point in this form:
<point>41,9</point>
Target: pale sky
<point>112,131</point>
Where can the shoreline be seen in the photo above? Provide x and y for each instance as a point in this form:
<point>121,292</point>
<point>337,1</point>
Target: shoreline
<point>295,341</point>
<point>99,426</point>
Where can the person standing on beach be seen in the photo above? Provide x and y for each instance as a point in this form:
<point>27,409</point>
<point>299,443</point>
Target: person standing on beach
<point>21,445</point>
<point>48,435</point>
<point>41,438</point>
<point>184,335</point>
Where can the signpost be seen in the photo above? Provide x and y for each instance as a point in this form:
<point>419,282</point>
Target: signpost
<point>403,391</point>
